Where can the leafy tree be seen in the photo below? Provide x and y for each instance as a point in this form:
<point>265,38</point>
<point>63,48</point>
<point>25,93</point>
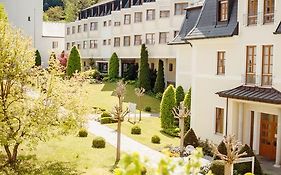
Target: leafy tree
<point>179,95</point>
<point>51,3</point>
<point>114,66</point>
<point>187,99</point>
<point>31,115</point>
<point>54,14</point>
<point>160,80</point>
<point>167,104</point>
<point>37,58</point>
<point>74,62</point>
<point>144,78</point>
<point>3,15</point>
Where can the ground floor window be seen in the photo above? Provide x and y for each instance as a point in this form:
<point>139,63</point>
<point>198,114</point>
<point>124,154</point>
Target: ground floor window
<point>219,120</point>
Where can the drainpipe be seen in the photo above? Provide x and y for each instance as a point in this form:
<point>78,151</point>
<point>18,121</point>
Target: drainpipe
<point>226,118</point>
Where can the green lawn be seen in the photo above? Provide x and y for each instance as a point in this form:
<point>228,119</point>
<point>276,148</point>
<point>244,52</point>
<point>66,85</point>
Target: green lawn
<point>150,126</point>
<point>101,95</point>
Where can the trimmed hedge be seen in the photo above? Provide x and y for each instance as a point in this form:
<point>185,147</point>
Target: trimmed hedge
<point>147,109</point>
<point>98,142</point>
<point>105,115</point>
<point>217,167</point>
<point>159,86</point>
<point>83,133</point>
<point>74,62</point>
<point>113,66</point>
<point>155,139</point>
<point>136,130</point>
<point>107,120</point>
<point>191,139</point>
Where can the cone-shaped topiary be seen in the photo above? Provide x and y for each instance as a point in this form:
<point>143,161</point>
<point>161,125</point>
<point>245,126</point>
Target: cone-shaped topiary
<point>221,149</point>
<point>37,58</point>
<point>243,168</point>
<point>179,95</point>
<point>190,138</point>
<point>144,72</point>
<point>113,66</point>
<point>187,99</point>
<point>167,104</point>
<point>160,80</point>
<point>74,62</point>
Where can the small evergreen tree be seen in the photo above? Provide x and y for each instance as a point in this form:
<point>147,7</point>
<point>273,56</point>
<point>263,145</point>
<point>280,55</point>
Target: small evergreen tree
<point>37,58</point>
<point>167,104</point>
<point>187,99</point>
<point>179,95</point>
<point>144,78</point>
<point>160,80</point>
<point>74,62</point>
<point>52,61</point>
<point>114,66</point>
<point>191,138</point>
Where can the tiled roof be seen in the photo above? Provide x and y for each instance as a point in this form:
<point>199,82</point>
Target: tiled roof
<point>250,93</point>
<point>278,30</point>
<point>208,26</point>
<point>189,22</point>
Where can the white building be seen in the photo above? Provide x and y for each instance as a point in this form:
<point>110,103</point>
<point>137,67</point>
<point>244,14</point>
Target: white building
<point>121,26</point>
<point>27,15</point>
<point>229,53</point>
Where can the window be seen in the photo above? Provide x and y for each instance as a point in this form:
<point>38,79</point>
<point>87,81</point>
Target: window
<point>68,31</point>
<point>180,8</point>
<point>137,40</point>
<point>252,12</point>
<point>221,63</point>
<point>171,67</point>
<point>84,44</point>
<point>127,40</point>
<point>109,22</point>
<point>73,29</point>
<point>93,44</point>
<point>117,42</point>
<point>150,38</point>
<point>85,27</point>
<point>79,29</point>
<point>164,14</point>
<point>267,59</point>
<point>93,26</point>
<point>127,19</point>
<point>268,16</point>
<point>223,10</point>
<point>78,46</point>
<point>138,17</point>
<point>109,42</point>
<point>251,65</point>
<point>72,44</point>
<point>55,44</point>
<point>150,15</point>
<point>104,23</point>
<point>163,37</point>
<point>67,46</point>
<point>28,18</point>
<point>84,63</point>
<point>152,66</point>
<point>104,42</point>
<point>219,120</point>
<point>117,23</point>
<point>176,33</point>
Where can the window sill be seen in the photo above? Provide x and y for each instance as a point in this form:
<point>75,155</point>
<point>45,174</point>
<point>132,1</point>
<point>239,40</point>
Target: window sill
<point>218,134</point>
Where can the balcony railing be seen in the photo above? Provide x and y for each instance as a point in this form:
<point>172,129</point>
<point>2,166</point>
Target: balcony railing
<point>257,80</point>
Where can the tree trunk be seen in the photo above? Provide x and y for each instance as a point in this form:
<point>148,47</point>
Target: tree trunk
<point>118,142</point>
<point>181,124</point>
<point>12,156</point>
<point>228,169</point>
<point>140,108</point>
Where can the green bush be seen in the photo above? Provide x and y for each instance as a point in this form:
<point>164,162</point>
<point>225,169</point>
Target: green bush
<point>98,142</point>
<point>187,99</point>
<point>217,167</point>
<point>136,130</point>
<point>191,138</point>
<point>74,62</point>
<point>166,108</point>
<point>113,66</point>
<point>37,58</point>
<point>92,74</point>
<point>205,145</point>
<point>147,109</point>
<point>243,168</point>
<point>159,96</point>
<point>105,114</point>
<point>160,79</point>
<point>83,133</point>
<point>155,139</point>
<point>144,72</point>
<point>179,95</point>
<point>107,120</point>
<point>174,132</point>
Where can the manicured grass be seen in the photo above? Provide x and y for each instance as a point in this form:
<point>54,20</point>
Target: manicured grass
<point>150,126</point>
<point>102,96</point>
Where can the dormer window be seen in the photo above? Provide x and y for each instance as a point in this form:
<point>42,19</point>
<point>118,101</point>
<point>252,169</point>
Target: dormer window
<point>223,10</point>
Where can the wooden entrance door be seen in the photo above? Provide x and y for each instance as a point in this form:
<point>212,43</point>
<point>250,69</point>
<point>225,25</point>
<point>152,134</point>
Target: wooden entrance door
<point>268,132</point>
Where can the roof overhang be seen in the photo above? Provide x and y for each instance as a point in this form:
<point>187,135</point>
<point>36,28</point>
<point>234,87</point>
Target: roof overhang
<point>278,30</point>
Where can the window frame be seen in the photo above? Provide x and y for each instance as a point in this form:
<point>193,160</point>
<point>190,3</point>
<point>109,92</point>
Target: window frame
<point>220,62</point>
<point>219,121</point>
<point>150,41</point>
<point>136,41</point>
<point>269,73</point>
<point>93,26</point>
<point>117,44</point>
<point>251,73</point>
<point>85,44</point>
<point>85,29</point>
<point>126,41</point>
<point>150,17</point>
<point>269,14</point>
<point>138,18</point>
<point>223,9</point>
<point>164,14</point>
<point>161,38</point>
<point>55,44</point>
<point>127,19</point>
<point>179,8</point>
<point>252,16</point>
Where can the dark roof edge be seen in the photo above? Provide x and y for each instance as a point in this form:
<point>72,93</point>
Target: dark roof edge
<point>276,31</point>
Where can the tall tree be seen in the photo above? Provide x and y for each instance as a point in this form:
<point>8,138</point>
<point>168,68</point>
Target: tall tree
<point>74,62</point>
<point>187,99</point>
<point>54,14</point>
<point>160,80</point>
<point>114,66</point>
<point>30,115</point>
<point>179,95</point>
<point>144,72</point>
<point>167,104</point>
<point>37,58</point>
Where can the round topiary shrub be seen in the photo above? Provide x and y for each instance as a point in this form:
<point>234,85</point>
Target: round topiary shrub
<point>217,167</point>
<point>107,120</point>
<point>98,142</point>
<point>147,109</point>
<point>136,130</point>
<point>155,139</point>
<point>105,114</point>
<point>83,133</point>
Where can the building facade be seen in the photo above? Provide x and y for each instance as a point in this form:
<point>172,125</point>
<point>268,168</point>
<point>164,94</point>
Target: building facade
<point>229,53</point>
<point>27,15</point>
<point>121,26</point>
